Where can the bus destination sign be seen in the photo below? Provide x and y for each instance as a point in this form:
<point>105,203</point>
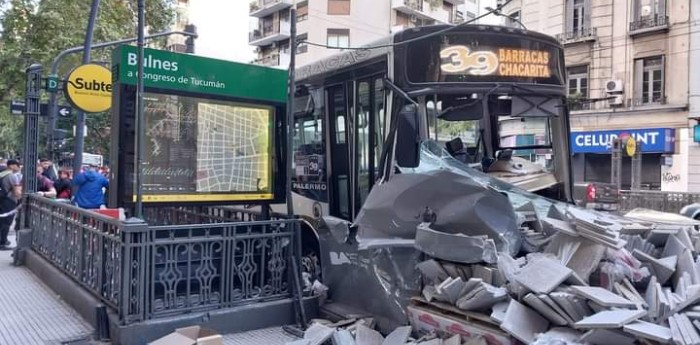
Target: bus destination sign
<point>460,59</point>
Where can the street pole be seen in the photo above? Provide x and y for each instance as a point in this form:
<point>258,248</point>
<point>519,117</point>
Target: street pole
<point>290,108</point>
<point>80,120</point>
<point>140,123</point>
<point>53,96</point>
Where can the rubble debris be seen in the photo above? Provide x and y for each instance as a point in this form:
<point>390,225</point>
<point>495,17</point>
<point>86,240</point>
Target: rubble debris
<point>649,330</point>
<point>368,336</point>
<point>602,296</point>
<point>602,336</point>
<point>343,337</point>
<point>542,275</point>
<point>317,334</point>
<point>610,319</point>
<point>523,323</point>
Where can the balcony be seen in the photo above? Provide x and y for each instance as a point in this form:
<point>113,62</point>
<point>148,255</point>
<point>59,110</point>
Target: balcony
<point>263,8</point>
<point>648,25</point>
<point>643,102</point>
<point>421,10</point>
<point>456,2</point>
<point>578,36</point>
<point>275,60</point>
<point>268,34</point>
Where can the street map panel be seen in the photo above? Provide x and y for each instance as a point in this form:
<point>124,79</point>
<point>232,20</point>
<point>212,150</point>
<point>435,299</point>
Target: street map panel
<point>233,144</point>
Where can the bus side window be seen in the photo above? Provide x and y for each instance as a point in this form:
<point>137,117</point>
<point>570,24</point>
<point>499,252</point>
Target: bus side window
<point>379,123</point>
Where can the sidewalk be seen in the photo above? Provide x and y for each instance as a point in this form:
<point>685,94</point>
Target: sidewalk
<point>30,313</point>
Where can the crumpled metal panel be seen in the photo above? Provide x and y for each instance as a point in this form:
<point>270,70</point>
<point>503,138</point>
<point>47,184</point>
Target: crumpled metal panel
<point>459,205</point>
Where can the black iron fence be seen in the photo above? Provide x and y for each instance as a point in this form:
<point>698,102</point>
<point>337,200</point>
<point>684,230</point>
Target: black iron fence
<point>649,23</point>
<point>145,272</point>
<point>671,202</point>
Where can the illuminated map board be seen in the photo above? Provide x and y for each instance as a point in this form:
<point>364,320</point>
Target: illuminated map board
<point>212,130</point>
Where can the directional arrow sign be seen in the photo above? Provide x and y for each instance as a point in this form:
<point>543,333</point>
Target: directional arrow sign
<point>17,107</point>
<point>63,110</point>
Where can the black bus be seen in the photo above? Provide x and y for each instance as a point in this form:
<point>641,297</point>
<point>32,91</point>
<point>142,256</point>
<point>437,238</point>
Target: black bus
<point>493,97</point>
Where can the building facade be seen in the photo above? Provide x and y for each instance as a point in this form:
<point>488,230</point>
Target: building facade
<point>629,67</point>
<point>342,23</point>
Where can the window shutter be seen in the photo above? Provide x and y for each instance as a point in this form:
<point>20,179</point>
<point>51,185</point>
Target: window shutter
<point>638,71</point>
<point>662,8</point>
<point>663,76</point>
<point>587,14</point>
<point>569,15</point>
<point>636,10</point>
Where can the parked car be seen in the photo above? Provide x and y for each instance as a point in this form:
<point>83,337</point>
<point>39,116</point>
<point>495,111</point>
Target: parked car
<point>597,196</point>
<point>692,211</point>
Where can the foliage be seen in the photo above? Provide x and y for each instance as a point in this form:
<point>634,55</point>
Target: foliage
<point>35,31</point>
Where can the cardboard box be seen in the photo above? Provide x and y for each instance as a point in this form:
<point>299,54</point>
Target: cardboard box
<point>427,319</point>
<point>194,335</point>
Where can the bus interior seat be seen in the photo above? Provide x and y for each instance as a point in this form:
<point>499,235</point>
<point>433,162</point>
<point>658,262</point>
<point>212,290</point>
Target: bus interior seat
<point>456,149</point>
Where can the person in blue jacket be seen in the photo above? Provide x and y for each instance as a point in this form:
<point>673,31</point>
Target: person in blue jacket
<point>90,184</point>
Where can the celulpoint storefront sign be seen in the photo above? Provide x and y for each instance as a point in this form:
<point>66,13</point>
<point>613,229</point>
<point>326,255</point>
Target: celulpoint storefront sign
<point>658,140</point>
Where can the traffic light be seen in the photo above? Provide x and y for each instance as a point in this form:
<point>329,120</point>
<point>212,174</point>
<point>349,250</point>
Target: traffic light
<point>189,41</point>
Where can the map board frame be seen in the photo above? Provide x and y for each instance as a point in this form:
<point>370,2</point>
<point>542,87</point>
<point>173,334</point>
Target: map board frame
<point>187,84</point>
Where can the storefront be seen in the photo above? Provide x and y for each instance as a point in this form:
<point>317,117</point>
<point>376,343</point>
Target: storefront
<point>592,159</point>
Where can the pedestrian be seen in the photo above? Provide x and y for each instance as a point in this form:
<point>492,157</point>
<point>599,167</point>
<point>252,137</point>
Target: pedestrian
<point>44,185</point>
<point>49,169</point>
<point>90,184</point>
<point>63,185</point>
<point>10,194</point>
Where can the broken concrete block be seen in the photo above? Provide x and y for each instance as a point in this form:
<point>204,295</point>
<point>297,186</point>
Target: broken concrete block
<point>498,311</point>
<point>368,336</point>
<point>649,330</point>
<point>603,336</point>
<point>432,271</point>
<point>451,288</point>
<point>542,275</point>
<point>610,319</point>
<point>343,337</point>
<point>602,296</point>
<point>523,323</point>
<point>299,342</point>
<point>453,340</point>
<point>317,334</point>
<point>398,337</point>
<point>545,310</point>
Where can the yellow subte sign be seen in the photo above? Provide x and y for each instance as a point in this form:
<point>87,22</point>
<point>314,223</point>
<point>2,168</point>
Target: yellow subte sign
<point>631,147</point>
<point>89,88</point>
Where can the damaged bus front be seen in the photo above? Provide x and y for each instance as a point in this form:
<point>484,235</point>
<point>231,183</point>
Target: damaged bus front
<point>435,131</point>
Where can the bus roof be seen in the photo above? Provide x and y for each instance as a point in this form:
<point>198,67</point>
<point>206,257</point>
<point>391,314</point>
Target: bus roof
<point>350,57</point>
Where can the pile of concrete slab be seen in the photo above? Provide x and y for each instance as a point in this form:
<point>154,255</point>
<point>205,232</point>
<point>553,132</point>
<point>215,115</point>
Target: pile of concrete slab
<point>361,332</point>
<point>582,277</point>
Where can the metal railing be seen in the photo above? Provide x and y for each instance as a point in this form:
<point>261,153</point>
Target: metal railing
<point>578,35</point>
<point>654,100</point>
<point>671,202</point>
<point>649,23</point>
<point>145,272</point>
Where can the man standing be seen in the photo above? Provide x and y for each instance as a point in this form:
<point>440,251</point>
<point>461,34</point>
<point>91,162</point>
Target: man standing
<point>49,169</point>
<point>90,183</point>
<point>10,194</point>
<point>44,185</point>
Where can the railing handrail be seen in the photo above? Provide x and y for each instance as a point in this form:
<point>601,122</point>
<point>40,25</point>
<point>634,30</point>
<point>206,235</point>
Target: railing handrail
<point>648,23</point>
<point>76,209</point>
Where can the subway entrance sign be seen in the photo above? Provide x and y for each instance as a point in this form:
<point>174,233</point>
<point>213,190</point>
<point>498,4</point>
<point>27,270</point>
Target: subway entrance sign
<point>214,130</point>
<point>89,88</point>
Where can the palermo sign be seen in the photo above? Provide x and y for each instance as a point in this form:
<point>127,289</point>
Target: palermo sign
<point>89,88</point>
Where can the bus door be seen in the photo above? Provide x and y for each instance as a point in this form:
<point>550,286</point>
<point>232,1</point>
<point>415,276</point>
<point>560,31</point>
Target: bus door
<point>369,130</point>
<point>340,201</point>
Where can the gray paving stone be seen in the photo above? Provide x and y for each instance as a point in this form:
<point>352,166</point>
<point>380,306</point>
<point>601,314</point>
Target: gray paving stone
<point>32,313</point>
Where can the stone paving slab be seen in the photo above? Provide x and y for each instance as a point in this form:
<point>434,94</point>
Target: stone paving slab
<point>30,313</point>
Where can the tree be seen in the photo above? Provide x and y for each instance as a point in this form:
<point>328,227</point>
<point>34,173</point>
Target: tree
<point>35,31</point>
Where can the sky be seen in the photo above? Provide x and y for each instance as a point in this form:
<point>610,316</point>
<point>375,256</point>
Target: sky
<point>223,27</point>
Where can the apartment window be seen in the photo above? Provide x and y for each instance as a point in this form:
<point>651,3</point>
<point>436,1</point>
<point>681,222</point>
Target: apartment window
<point>648,14</point>
<point>578,86</point>
<point>302,47</point>
<point>338,38</point>
<point>339,7</point>
<point>302,11</point>
<point>578,16</point>
<point>649,80</point>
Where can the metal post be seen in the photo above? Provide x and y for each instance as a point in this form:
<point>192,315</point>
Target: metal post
<point>80,119</point>
<point>140,123</point>
<point>290,109</point>
<point>31,127</point>
<point>53,101</point>
<point>616,166</point>
<point>637,167</point>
